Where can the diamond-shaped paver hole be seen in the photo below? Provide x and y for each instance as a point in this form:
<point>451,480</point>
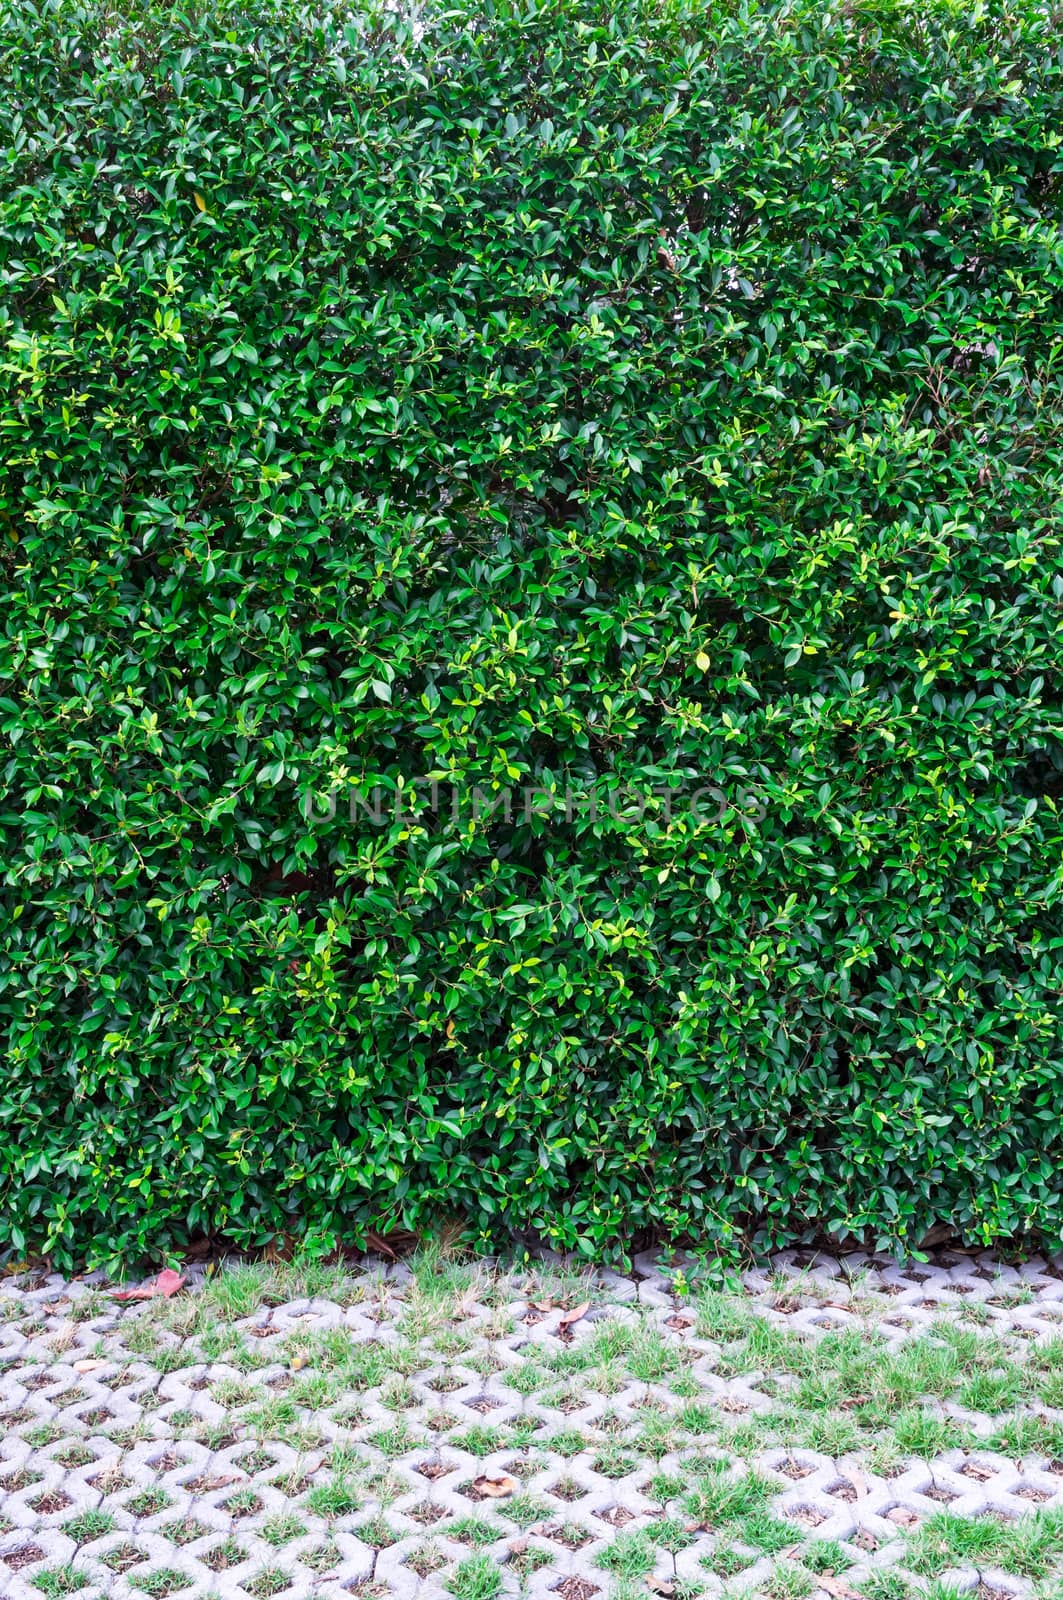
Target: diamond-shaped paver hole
<point>794,1470</point>
<point>167,1461</point>
<point>570,1534</point>
<point>50,1501</point>
<point>244,1503</point>
<point>24,1556</point>
<point>97,1417</point>
<point>427,1513</point>
<point>903,1516</point>
<point>944,1497</point>
<point>184,1531</point>
<point>446,1383</point>
<point>680,1324</point>
<point>149,1503</point>
<point>269,1582</point>
<point>573,1588</point>
<point>433,1469</point>
<point>1027,1491</point>
<point>977,1472</point>
<point>110,1480</point>
<point>807,1516</point>
<point>567,1489</point>
<point>483,1404</point>
<point>227,1554</point>
<point>615,1516</point>
<point>122,1557</point>
<point>208,1482</point>
<point>21,1478</point>
<point>842,1489</point>
<point>161,1582</point>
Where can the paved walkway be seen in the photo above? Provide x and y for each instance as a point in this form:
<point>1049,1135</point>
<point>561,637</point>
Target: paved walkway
<point>831,1428</point>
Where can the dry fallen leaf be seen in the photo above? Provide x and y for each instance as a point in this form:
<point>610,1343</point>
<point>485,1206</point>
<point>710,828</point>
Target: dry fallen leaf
<point>573,1316</point>
<point>167,1283</point>
<point>663,1586</point>
<point>836,1586</point>
<point>88,1365</point>
<point>297,1363</point>
<point>495,1488</point>
<point>541,1305</point>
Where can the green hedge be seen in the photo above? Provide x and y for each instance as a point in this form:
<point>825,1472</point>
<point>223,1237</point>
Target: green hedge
<point>622,399</point>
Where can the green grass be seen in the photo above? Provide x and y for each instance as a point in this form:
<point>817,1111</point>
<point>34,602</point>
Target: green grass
<point>1028,1546</point>
<point>475,1578</point>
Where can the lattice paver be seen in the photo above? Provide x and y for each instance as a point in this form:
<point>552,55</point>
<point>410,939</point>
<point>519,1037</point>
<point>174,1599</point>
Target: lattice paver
<point>452,1429</point>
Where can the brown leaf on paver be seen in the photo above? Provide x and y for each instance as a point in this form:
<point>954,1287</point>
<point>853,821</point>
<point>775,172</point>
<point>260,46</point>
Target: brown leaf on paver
<point>680,1324</point>
<point>836,1586</point>
<point>22,1557</point>
<point>165,1284</point>
<point>564,1326</point>
<point>488,1488</point>
<point>206,1483</point>
<point>88,1365</point>
<point>902,1516</point>
<point>433,1469</point>
<point>661,1586</point>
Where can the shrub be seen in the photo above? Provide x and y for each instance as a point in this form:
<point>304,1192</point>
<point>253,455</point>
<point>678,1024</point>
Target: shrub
<point>620,401</point>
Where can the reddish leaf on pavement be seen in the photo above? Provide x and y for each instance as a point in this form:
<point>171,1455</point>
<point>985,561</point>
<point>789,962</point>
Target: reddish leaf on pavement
<point>167,1283</point>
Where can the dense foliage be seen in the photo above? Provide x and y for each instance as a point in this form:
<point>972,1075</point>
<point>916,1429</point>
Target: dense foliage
<point>617,399</point>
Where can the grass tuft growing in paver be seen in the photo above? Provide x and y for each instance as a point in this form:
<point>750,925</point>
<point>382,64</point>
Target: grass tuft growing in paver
<point>59,1580</point>
<point>476,1578</point>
